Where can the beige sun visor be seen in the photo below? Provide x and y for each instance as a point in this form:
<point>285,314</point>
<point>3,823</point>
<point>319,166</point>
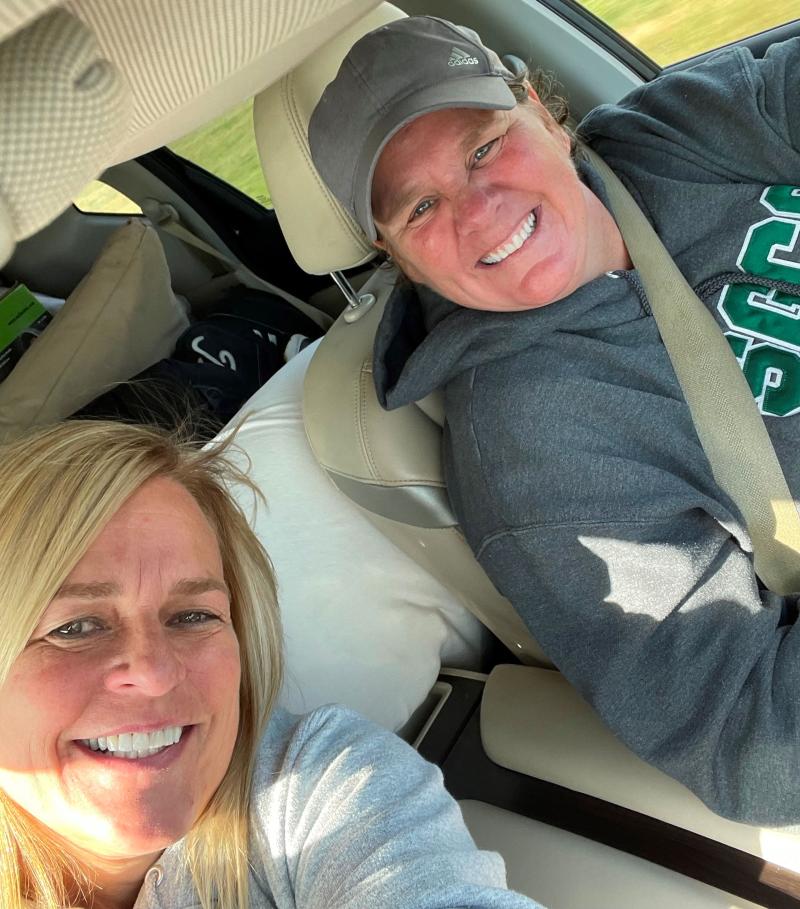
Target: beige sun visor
<point>15,14</point>
<point>102,81</point>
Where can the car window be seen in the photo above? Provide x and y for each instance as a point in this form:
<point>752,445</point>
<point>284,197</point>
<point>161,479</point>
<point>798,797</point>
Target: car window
<point>226,147</point>
<point>101,199</point>
<point>672,30</point>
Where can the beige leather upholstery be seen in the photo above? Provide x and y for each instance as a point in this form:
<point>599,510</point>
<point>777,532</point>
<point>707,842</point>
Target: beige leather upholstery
<point>321,235</point>
<point>389,463</point>
<point>63,109</point>
<point>533,721</point>
<point>124,305</point>
<point>565,871</point>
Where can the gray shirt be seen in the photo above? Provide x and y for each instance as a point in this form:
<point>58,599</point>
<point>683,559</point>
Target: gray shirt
<point>345,814</point>
<point>573,463</point>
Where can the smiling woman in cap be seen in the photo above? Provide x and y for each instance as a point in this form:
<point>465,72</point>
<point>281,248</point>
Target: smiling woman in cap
<point>571,457</point>
<point>452,164</point>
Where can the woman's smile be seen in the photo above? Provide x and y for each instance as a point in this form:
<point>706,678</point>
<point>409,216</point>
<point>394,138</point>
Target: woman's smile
<point>518,238</point>
<point>141,747</point>
<point>134,743</point>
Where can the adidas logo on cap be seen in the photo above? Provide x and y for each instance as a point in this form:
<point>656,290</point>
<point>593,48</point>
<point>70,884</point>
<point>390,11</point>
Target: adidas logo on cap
<point>459,57</point>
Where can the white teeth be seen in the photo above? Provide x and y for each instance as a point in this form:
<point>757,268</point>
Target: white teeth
<point>503,252</point>
<point>140,741</point>
<point>135,744</point>
<point>133,755</point>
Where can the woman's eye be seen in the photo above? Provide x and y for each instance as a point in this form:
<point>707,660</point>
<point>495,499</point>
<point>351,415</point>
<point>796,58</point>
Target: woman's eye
<point>193,617</point>
<point>483,151</point>
<point>421,209</point>
<point>78,628</point>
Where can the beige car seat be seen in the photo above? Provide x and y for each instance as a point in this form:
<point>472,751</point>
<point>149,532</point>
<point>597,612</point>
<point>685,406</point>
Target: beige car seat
<point>389,464</point>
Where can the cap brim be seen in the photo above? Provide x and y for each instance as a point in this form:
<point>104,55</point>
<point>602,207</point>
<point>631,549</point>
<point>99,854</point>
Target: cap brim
<point>488,92</point>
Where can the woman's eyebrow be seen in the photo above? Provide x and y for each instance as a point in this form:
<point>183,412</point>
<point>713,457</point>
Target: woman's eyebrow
<point>98,590</point>
<point>475,136</point>
<point>94,590</point>
<point>191,587</point>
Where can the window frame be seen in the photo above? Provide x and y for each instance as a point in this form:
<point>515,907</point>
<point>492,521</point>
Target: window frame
<point>601,33</point>
<point>94,213</point>
<point>598,30</point>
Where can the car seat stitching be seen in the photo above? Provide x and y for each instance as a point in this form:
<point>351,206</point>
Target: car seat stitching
<point>364,376</point>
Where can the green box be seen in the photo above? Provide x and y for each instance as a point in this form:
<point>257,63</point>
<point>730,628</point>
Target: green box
<point>22,320</point>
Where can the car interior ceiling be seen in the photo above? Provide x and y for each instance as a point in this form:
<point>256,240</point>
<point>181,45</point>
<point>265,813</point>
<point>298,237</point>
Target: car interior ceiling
<point>588,800</point>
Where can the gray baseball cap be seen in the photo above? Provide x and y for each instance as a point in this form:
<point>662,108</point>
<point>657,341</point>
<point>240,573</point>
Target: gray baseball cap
<point>391,76</point>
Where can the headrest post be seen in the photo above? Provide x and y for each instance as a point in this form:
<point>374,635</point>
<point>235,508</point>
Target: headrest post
<point>357,304</point>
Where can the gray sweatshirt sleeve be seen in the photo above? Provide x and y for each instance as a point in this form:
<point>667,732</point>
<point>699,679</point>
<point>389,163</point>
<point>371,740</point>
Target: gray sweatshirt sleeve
<point>660,626</point>
<point>354,817</point>
<point>733,116</point>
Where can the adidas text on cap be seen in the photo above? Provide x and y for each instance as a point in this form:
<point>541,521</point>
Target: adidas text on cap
<point>393,75</point>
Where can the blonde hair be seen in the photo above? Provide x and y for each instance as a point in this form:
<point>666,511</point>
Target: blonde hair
<point>60,486</point>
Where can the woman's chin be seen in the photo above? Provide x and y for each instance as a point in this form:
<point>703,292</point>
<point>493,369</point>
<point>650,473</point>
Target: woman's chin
<point>137,836</point>
<point>517,284</point>
<point>122,829</point>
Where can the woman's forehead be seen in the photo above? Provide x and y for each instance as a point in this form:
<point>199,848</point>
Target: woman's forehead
<point>455,126</point>
<point>159,496</point>
<point>160,520</point>
<point>407,155</point>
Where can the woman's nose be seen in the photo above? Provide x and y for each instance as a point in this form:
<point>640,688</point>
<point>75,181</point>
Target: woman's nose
<point>147,662</point>
<point>474,207</point>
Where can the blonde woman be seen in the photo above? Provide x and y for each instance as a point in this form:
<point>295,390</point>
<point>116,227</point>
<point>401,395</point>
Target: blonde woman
<point>141,763</point>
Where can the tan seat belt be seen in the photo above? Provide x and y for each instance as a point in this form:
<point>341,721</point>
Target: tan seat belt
<point>725,414</point>
<point>164,217</point>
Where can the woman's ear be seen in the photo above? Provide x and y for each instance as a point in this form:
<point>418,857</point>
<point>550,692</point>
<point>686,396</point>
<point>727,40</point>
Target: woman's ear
<point>536,102</point>
<point>563,136</point>
<point>385,254</point>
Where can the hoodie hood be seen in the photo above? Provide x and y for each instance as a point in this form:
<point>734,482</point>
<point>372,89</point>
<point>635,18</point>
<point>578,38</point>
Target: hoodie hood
<point>424,341</point>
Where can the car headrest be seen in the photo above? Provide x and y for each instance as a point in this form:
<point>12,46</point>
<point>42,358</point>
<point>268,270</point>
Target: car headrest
<point>62,107</point>
<point>321,234</point>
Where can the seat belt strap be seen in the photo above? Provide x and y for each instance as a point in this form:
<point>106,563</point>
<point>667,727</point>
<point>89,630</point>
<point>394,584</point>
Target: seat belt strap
<point>726,417</point>
<point>164,217</point>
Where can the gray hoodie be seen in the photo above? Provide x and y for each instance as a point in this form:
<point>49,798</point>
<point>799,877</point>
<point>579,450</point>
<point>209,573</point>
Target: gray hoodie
<point>573,463</point>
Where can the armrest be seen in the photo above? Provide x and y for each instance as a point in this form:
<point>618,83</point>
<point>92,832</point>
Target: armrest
<point>534,722</point>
